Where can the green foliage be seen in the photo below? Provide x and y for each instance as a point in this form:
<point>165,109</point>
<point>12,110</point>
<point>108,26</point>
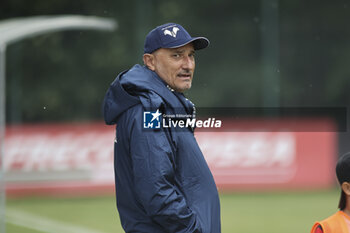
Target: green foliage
<point>63,76</point>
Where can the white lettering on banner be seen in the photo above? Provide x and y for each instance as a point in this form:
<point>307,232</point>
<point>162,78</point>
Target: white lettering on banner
<point>87,151</point>
<point>24,153</point>
<point>61,152</point>
<point>88,155</point>
<point>248,150</point>
<point>248,157</point>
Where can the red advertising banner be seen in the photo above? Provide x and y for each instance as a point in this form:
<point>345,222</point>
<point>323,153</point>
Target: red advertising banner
<point>264,160</point>
<point>78,158</point>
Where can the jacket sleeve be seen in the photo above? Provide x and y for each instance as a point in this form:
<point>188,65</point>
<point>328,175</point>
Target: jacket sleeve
<point>154,178</point>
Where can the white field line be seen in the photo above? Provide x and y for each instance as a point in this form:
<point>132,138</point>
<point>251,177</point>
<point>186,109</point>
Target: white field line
<point>39,223</point>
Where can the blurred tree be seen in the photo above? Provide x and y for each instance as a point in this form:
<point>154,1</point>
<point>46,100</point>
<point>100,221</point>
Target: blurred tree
<point>63,76</point>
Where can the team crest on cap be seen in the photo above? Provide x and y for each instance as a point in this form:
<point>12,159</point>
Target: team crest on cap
<point>171,33</point>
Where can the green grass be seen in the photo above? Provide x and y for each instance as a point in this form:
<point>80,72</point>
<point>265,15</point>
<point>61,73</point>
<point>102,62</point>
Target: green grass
<point>286,212</point>
<point>276,213</point>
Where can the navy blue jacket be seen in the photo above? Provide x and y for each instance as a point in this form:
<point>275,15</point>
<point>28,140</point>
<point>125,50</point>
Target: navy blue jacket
<point>163,183</point>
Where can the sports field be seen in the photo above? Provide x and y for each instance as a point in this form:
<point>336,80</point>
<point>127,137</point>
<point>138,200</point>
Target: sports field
<point>286,212</point>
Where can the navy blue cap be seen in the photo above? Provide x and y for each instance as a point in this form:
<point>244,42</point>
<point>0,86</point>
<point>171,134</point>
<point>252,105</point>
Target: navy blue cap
<point>172,35</point>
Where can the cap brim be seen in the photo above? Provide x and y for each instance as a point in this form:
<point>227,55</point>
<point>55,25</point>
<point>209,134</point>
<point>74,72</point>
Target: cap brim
<point>198,43</point>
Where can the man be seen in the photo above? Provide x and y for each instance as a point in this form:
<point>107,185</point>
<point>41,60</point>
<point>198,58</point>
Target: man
<point>163,183</point>
<point>340,221</point>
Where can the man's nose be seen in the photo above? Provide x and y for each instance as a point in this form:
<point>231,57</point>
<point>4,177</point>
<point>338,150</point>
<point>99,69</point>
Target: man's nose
<point>188,63</point>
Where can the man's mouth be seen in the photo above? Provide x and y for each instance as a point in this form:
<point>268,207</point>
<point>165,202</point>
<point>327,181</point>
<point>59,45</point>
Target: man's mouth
<point>185,75</point>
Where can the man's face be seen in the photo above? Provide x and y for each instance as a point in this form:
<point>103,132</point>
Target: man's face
<point>175,66</point>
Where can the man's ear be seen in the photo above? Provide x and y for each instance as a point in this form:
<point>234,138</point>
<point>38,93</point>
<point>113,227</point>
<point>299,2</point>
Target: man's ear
<point>148,60</point>
<point>346,188</point>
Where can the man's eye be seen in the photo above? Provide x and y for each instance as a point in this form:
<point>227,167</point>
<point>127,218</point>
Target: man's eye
<point>176,55</point>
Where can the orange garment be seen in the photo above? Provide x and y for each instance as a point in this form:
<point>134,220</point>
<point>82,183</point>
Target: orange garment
<point>337,223</point>
<point>347,220</point>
